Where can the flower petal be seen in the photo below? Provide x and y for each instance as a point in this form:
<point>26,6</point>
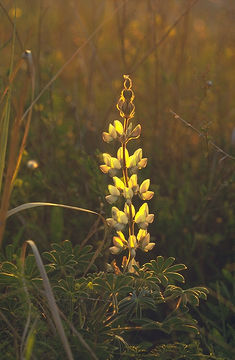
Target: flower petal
<point>144,186</point>
<point>118,183</point>
<point>118,127</point>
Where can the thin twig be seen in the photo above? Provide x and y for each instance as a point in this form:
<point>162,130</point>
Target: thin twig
<point>176,116</point>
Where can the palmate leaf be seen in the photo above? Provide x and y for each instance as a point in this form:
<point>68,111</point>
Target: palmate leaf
<point>164,271</point>
<point>173,323</point>
<point>112,284</point>
<point>135,303</point>
<point>190,296</point>
<point>179,350</point>
<point>63,258</point>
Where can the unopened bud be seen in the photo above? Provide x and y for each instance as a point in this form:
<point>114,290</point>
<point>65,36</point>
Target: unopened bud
<point>127,82</point>
<point>128,95</point>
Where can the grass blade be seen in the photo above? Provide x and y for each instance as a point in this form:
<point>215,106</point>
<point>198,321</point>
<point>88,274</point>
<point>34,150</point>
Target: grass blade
<point>50,298</point>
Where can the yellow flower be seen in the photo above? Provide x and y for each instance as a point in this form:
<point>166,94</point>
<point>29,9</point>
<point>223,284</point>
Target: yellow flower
<point>111,165</point>
<point>143,218</point>
<point>118,219</point>
<point>136,161</point>
<point>132,183</point>
<point>114,194</point>
<point>144,243</point>
<point>143,192</point>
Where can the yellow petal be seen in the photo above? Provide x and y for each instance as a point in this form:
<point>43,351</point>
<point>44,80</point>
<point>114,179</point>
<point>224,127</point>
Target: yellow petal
<point>150,218</point>
<point>107,137</point>
<point>117,242</point>
<point>141,234</point>
<point>111,199</point>
<point>118,183</point>
<point>138,154</point>
<point>107,159</point>
<point>127,210</point>
<point>115,212</point>
<point>112,131</point>
<point>118,127</point>
<point>142,163</point>
<point>104,168</point>
<point>132,241</point>
<point>128,193</point>
<point>147,195</point>
<point>121,235</point>
<point>149,247</point>
<point>122,217</point>
<point>113,190</point>
<point>120,154</point>
<point>115,250</point>
<point>144,186</point>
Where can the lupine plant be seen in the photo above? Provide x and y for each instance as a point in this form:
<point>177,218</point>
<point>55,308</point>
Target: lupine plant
<point>106,313</point>
<point>123,170</point>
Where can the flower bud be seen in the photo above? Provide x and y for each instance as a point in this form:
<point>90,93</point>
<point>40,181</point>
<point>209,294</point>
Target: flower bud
<point>127,82</point>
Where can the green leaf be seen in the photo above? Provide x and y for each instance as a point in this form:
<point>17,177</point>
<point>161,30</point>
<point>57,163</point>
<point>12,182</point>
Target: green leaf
<point>9,267</point>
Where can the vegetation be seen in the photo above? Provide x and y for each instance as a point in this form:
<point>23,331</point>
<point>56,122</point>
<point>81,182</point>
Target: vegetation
<point>90,286</point>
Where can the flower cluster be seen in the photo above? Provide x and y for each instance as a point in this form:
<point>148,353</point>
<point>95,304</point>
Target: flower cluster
<point>123,170</point>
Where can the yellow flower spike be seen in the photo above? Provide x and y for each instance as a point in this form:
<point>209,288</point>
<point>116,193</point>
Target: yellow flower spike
<point>118,183</point>
<point>127,185</point>
<point>118,127</point>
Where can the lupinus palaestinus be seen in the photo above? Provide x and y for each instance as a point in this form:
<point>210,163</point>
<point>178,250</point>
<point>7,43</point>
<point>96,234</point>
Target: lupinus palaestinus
<point>123,169</point>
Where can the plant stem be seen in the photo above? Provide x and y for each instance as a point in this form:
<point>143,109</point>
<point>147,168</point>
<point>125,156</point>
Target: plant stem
<point>125,177</point>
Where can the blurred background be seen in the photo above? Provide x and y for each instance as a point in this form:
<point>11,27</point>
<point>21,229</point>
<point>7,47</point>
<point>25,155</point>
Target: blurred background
<point>180,55</point>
